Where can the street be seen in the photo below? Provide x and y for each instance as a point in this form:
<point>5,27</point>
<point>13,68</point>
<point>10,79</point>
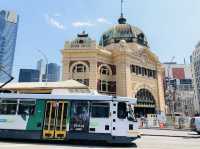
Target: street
<point>168,139</point>
<point>152,139</point>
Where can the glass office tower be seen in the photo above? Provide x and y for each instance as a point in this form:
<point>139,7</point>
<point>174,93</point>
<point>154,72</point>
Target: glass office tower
<point>8,34</point>
<point>53,71</point>
<point>29,75</point>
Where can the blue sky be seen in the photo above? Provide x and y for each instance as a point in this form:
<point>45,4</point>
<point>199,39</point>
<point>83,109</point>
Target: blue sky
<point>171,26</point>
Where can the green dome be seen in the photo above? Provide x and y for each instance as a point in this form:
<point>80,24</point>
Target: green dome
<point>123,31</point>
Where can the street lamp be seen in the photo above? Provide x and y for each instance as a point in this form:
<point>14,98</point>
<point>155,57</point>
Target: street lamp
<point>46,59</point>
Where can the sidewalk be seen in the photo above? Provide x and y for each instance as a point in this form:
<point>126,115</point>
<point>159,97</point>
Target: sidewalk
<point>169,133</point>
<point>167,128</point>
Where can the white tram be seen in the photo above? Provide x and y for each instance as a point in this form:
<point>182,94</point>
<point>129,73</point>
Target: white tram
<point>68,117</point>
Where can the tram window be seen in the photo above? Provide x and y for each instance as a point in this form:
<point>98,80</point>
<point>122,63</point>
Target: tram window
<point>121,110</point>
<point>100,110</point>
<point>26,107</point>
<point>8,107</point>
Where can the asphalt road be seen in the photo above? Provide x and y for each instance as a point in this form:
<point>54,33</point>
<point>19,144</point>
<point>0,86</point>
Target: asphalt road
<point>168,139</point>
<point>152,139</point>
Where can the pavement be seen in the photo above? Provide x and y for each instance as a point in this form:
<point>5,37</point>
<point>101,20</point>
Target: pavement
<point>158,142</point>
<point>151,139</point>
<point>169,133</point>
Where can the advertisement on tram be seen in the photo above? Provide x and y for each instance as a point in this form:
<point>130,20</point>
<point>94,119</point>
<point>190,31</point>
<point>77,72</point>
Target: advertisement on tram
<point>79,116</point>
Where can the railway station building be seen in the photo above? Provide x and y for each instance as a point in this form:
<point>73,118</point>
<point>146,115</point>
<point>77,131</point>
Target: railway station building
<point>121,64</point>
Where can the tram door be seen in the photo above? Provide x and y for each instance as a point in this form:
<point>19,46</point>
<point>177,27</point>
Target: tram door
<point>55,122</point>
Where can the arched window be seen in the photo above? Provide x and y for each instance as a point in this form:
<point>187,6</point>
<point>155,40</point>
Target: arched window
<point>144,96</point>
<point>79,72</point>
<point>145,103</point>
<point>79,68</point>
<point>106,84</point>
<point>104,71</point>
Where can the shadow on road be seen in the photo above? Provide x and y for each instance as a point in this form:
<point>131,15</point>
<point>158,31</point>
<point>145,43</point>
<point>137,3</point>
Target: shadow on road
<point>90,144</point>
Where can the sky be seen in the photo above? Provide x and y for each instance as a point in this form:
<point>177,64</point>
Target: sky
<point>172,27</point>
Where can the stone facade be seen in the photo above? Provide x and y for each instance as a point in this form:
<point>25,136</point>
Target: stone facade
<point>117,67</point>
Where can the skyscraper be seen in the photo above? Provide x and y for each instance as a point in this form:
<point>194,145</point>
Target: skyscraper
<point>52,69</point>
<point>52,73</point>
<point>8,34</point>
<point>29,75</point>
<point>41,67</point>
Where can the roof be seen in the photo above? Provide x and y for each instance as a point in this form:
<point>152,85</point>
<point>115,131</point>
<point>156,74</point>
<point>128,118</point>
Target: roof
<point>69,84</point>
<point>123,31</point>
<point>82,41</point>
<point>89,97</point>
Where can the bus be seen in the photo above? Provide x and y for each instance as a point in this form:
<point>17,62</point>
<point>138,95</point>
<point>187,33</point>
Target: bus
<point>68,117</point>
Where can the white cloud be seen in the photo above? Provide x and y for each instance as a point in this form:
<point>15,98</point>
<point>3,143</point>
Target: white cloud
<point>103,20</point>
<point>54,23</point>
<point>100,20</point>
<point>82,24</point>
<point>56,14</point>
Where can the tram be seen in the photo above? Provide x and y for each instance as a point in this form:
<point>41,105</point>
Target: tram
<point>68,117</point>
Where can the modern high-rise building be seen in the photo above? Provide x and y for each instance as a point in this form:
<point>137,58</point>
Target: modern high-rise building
<point>41,66</point>
<point>8,35</point>
<point>52,73</point>
<point>195,60</point>
<point>29,75</point>
<point>52,69</point>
